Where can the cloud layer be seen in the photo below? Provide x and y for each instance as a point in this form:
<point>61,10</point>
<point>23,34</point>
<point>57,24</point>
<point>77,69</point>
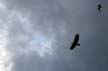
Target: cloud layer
<point>35,35</point>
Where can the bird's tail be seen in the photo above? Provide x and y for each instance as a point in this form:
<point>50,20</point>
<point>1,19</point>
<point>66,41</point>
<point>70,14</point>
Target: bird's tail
<point>78,44</point>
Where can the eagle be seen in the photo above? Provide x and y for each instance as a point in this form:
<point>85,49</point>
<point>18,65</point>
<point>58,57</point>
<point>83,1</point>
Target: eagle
<point>75,42</point>
<point>99,7</point>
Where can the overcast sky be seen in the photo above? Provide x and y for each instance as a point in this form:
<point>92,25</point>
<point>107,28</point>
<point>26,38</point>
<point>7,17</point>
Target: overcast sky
<point>35,35</point>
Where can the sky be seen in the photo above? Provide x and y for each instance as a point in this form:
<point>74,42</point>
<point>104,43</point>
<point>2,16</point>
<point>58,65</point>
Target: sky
<point>35,35</point>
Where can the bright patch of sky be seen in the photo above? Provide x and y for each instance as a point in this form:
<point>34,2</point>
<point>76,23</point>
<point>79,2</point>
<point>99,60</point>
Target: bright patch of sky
<point>5,57</point>
<point>37,42</point>
<point>41,44</point>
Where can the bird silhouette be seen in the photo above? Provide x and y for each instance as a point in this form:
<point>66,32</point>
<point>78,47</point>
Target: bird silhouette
<point>75,42</point>
<point>99,7</point>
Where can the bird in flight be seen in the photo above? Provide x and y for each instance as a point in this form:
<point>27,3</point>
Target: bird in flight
<point>99,7</point>
<point>75,42</point>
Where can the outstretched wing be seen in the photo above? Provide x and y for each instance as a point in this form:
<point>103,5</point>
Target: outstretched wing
<point>76,39</point>
<point>73,46</point>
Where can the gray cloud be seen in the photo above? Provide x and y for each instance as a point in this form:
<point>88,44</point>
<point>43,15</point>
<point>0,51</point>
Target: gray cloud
<point>40,33</point>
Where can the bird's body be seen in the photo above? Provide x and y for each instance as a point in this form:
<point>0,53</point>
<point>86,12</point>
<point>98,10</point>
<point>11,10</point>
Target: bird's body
<point>75,42</point>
